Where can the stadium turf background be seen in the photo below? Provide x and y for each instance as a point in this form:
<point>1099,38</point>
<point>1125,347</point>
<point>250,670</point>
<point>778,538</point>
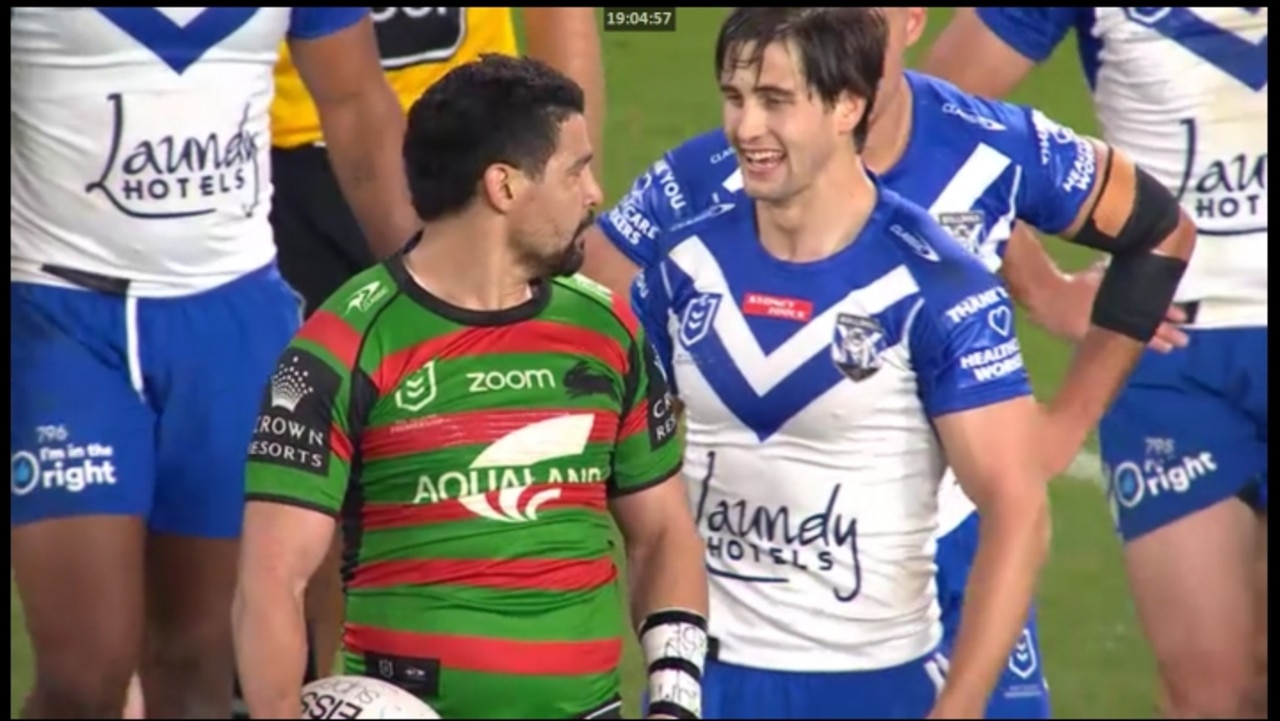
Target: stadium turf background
<point>661,91</point>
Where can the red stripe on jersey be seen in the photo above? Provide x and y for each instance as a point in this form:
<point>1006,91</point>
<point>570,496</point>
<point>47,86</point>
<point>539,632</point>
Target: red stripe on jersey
<point>490,655</point>
<point>622,308</point>
<point>339,443</point>
<point>512,574</point>
<point>385,516</point>
<point>446,430</point>
<point>635,420</point>
<point>532,336</point>
<point>334,335</point>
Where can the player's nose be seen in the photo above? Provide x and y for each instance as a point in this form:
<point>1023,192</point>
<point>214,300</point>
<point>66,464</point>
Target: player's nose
<point>748,123</point>
<point>593,194</point>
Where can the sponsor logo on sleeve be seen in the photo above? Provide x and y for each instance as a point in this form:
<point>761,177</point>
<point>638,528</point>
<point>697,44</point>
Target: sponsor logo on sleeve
<point>1052,138</point>
<point>662,412</point>
<point>294,426</point>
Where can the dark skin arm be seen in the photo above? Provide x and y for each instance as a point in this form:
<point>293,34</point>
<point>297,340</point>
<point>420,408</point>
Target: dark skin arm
<point>363,128</point>
<point>568,39</point>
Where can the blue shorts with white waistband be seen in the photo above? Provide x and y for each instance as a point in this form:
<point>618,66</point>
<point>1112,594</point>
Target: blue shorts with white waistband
<point>140,406</point>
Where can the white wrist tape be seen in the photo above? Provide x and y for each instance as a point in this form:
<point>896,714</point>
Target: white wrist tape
<point>674,642</point>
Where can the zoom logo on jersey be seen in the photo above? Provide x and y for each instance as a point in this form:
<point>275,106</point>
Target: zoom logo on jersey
<point>504,471</point>
<point>296,419</point>
<point>1131,482</point>
<point>759,543</point>
<point>414,36</point>
<point>153,173</point>
<point>70,467</point>
<point>517,380</point>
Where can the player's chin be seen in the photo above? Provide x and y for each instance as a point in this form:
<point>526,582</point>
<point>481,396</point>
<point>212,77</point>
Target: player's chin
<point>767,192</point>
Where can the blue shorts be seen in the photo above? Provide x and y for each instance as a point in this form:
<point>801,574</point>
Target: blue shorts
<point>141,406</point>
<point>1188,431</point>
<point>902,692</point>
<point>1022,692</point>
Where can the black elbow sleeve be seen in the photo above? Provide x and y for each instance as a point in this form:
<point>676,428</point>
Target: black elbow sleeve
<point>1139,285</point>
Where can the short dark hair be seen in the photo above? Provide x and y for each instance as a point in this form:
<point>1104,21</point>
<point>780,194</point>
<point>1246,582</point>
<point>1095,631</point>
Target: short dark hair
<point>497,109</point>
<point>841,49</point>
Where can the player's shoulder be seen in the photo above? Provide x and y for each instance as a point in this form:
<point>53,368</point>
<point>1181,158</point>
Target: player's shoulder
<point>943,271</point>
<point>945,111</point>
<point>360,301</point>
<point>718,225</point>
<point>581,300</point>
<point>702,152</point>
<point>691,174</point>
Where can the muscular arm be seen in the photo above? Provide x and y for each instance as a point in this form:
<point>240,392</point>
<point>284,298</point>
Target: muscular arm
<point>281,547</point>
<point>1114,221</point>
<point>664,554</point>
<point>973,57</point>
<point>568,40</point>
<point>363,129</point>
<point>1000,472</point>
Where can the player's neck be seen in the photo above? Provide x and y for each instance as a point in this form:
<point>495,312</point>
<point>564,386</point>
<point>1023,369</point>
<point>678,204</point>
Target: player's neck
<point>890,129</point>
<point>452,265</point>
<point>820,221</point>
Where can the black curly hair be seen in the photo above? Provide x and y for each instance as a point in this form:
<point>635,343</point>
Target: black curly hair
<point>498,109</point>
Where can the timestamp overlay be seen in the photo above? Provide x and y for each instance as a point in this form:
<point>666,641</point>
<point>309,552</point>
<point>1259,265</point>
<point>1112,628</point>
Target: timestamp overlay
<point>639,20</point>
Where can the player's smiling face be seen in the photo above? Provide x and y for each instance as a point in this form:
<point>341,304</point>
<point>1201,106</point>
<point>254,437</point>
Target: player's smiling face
<point>783,132</point>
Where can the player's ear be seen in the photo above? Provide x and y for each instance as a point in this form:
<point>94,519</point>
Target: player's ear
<point>848,111</point>
<point>917,18</point>
<point>503,185</point>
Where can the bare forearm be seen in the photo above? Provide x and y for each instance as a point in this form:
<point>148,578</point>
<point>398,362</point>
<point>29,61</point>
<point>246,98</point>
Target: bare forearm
<point>271,649</point>
<point>568,40</point>
<point>1012,546</point>
<point>365,141</point>
<point>1099,368</point>
<point>669,572</point>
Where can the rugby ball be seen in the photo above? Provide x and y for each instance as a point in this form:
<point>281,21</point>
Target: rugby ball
<point>343,697</point>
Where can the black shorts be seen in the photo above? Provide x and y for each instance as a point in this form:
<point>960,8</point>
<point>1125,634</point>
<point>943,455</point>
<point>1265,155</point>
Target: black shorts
<point>320,243</point>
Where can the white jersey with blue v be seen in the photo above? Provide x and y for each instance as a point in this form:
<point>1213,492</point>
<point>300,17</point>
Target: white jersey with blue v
<point>809,392</point>
<point>147,311</point>
<point>977,165</point>
<point>1183,91</point>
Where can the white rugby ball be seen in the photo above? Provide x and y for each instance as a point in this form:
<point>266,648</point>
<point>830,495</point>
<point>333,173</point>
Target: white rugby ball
<point>343,697</point>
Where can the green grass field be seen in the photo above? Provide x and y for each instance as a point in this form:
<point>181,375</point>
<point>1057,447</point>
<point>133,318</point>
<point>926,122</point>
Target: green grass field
<point>661,91</point>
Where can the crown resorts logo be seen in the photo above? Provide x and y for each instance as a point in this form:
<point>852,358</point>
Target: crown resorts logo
<point>289,385</point>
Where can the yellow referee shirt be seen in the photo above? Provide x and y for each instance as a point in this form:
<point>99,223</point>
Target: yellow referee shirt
<point>417,45</point>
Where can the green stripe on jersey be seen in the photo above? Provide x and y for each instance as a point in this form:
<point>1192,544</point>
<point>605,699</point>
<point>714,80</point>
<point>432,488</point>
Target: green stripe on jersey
<point>481,458</point>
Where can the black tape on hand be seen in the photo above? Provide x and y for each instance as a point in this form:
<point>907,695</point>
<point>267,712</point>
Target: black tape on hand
<point>675,648</point>
<point>1135,294</point>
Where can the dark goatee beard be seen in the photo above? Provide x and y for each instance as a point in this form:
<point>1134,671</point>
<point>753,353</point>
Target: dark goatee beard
<point>567,261</point>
